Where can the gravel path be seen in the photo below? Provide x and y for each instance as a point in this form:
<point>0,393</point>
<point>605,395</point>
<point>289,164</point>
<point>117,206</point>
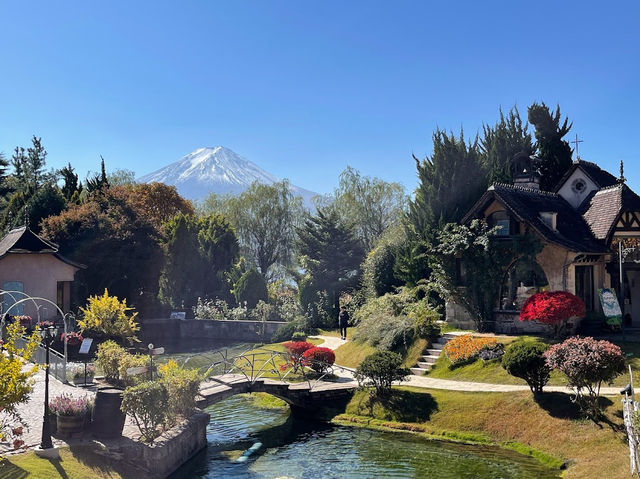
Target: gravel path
<point>434,383</point>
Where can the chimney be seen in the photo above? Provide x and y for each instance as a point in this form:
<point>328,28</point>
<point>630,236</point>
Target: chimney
<point>528,179</point>
<point>525,172</point>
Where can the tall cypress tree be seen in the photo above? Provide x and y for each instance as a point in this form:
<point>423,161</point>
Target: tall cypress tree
<point>553,151</point>
<point>501,143</point>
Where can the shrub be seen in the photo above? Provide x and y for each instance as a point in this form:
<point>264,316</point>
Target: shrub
<point>380,370</point>
<point>319,359</point>
<point>426,327</point>
<point>553,308</point>
<point>587,363</point>
<point>108,316</point>
<point>78,371</point>
<point>182,386</point>
<point>466,348</point>
<point>295,351</point>
<point>491,351</point>
<point>131,361</point>
<point>298,336</point>
<point>251,288</point>
<point>284,332</point>
<point>525,360</point>
<point>108,358</point>
<point>147,404</point>
<point>217,309</point>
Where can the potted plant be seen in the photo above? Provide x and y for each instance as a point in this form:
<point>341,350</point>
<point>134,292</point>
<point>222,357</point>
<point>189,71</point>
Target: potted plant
<point>73,340</point>
<point>71,413</point>
<point>78,374</point>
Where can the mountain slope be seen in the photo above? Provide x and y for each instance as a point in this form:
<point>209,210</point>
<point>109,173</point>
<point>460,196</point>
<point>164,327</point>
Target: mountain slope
<point>215,170</point>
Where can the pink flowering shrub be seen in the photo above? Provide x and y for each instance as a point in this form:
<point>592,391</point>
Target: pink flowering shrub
<point>72,338</point>
<point>587,363</point>
<point>67,405</point>
<point>553,308</point>
<point>25,321</point>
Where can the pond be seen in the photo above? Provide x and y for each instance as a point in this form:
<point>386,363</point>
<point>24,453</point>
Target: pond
<point>297,447</point>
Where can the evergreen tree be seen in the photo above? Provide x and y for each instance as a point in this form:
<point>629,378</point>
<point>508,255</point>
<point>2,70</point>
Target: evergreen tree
<point>199,254</point>
<point>4,186</point>
<point>251,288</point>
<point>451,180</point>
<point>34,170</point>
<point>553,151</point>
<point>98,181</point>
<point>331,253</point>
<point>71,183</point>
<point>501,143</point>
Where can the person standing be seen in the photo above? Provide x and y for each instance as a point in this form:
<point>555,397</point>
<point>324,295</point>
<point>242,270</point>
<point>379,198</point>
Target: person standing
<point>343,321</point>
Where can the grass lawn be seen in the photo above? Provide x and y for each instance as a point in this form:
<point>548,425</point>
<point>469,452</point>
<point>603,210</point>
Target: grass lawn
<point>75,463</point>
<point>493,372</point>
<point>549,429</point>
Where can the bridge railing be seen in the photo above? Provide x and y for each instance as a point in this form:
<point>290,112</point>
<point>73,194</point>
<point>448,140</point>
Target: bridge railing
<point>279,365</point>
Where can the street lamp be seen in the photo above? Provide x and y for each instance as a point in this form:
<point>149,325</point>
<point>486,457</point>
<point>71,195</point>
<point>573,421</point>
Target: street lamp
<point>48,335</point>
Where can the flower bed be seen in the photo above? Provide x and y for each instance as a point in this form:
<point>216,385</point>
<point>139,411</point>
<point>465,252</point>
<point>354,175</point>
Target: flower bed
<point>466,348</point>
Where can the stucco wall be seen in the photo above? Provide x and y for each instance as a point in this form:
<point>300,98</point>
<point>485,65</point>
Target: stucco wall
<point>555,262</point>
<point>40,274</point>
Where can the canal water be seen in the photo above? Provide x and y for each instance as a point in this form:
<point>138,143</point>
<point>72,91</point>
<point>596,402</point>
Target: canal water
<point>295,447</point>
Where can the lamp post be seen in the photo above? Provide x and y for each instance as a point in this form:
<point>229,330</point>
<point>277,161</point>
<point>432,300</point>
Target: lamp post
<point>48,334</point>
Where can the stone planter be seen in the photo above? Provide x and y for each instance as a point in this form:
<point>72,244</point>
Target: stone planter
<point>69,425</point>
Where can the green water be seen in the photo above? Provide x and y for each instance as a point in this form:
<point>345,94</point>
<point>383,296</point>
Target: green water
<point>299,448</point>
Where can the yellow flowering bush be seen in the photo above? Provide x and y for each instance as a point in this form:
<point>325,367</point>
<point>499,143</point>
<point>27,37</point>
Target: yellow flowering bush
<point>107,315</point>
<point>466,347</point>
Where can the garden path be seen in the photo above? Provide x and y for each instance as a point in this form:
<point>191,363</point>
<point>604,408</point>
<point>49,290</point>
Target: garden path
<point>448,384</point>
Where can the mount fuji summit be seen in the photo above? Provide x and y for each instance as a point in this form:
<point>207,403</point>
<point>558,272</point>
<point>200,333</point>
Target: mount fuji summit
<point>215,170</point>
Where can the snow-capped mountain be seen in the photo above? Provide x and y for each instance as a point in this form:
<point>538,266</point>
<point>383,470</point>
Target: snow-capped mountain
<point>215,170</point>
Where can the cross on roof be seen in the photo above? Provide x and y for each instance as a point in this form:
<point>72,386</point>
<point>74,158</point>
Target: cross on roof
<point>577,142</point>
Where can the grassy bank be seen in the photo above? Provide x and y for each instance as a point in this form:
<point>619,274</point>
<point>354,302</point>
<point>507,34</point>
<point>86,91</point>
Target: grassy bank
<point>549,429</point>
<point>74,463</point>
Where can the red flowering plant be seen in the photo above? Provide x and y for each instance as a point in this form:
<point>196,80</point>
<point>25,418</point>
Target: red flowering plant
<point>587,363</point>
<point>72,338</point>
<point>553,308</point>
<point>25,321</point>
<point>295,350</point>
<point>319,359</point>
<point>45,324</point>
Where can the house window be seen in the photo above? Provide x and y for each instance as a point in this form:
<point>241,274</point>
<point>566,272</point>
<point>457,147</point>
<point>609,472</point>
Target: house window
<point>506,225</point>
<point>13,288</point>
<point>584,285</point>
<point>524,279</point>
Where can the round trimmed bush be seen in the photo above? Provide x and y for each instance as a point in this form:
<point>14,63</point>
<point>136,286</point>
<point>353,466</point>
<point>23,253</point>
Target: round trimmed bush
<point>251,288</point>
<point>319,359</point>
<point>525,360</point>
<point>380,370</point>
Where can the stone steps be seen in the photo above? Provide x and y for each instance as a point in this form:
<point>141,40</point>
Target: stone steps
<point>427,360</point>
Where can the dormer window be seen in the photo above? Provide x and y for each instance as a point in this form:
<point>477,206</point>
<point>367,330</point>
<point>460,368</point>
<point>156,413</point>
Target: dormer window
<point>549,218</point>
<point>506,225</point>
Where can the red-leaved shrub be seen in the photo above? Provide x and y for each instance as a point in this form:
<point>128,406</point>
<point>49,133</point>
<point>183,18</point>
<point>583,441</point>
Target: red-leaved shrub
<point>319,359</point>
<point>295,351</point>
<point>553,308</point>
<point>587,363</point>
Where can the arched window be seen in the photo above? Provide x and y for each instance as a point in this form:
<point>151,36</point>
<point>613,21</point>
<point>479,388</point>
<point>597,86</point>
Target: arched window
<point>507,226</point>
<point>524,278</point>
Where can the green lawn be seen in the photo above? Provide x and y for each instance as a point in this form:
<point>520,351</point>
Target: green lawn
<point>549,428</point>
<point>80,462</point>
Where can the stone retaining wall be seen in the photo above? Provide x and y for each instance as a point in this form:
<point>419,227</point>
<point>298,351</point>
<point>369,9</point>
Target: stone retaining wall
<point>170,451</point>
<point>176,329</point>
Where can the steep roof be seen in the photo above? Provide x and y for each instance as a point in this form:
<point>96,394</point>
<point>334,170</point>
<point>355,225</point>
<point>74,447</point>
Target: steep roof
<point>23,240</point>
<point>527,204</point>
<point>600,177</point>
<point>603,207</point>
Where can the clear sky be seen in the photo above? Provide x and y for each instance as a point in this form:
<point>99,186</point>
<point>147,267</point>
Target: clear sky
<point>306,88</point>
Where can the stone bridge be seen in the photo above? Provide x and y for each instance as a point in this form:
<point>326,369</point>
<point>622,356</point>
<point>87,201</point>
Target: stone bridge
<point>306,394</point>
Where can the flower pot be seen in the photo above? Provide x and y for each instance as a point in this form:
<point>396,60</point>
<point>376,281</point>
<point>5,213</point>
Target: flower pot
<point>69,425</point>
<point>108,419</point>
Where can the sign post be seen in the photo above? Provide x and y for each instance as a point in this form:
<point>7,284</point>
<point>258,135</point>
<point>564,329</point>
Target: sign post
<point>153,352</point>
<point>84,350</point>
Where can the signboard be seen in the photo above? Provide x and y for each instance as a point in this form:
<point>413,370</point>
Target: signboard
<point>178,315</point>
<point>156,351</point>
<point>137,370</point>
<point>610,307</point>
<point>85,346</point>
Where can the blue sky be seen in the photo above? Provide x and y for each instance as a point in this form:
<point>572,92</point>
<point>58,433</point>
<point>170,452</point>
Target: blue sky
<point>306,88</point>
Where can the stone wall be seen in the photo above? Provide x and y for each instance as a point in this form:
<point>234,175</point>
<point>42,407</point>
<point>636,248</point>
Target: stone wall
<point>160,330</point>
<point>170,451</point>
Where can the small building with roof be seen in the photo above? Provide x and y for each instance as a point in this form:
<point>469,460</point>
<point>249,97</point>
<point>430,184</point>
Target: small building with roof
<point>579,226</point>
<point>31,265</point>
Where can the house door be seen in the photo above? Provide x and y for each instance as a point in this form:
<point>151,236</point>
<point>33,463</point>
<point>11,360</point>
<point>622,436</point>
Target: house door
<point>9,299</point>
<point>584,285</point>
